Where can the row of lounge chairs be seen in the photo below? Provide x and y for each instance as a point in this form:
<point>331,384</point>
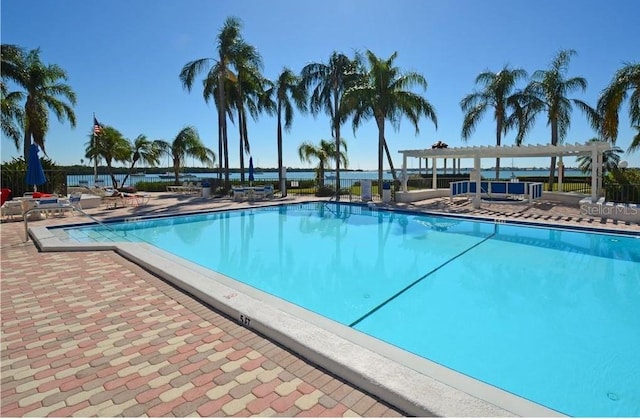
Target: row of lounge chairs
<point>41,204</point>
<point>251,193</point>
<point>186,187</point>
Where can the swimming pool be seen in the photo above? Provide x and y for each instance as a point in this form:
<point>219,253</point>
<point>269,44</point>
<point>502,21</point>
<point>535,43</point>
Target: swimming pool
<point>551,315</point>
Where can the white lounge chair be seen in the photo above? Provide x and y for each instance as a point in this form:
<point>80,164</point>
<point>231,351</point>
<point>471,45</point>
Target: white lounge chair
<point>12,208</point>
<point>239,193</point>
<point>55,205</point>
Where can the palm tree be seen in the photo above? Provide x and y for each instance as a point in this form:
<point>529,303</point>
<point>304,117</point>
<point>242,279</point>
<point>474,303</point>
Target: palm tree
<point>547,92</point>
<point>287,91</point>
<point>382,93</point>
<point>110,145</point>
<point>246,93</point>
<point>626,79</point>
<point>42,85</point>
<point>610,159</point>
<point>233,52</point>
<point>498,94</point>
<point>12,112</point>
<point>635,143</point>
<point>144,150</point>
<point>330,82</point>
<point>324,153</point>
<point>186,144</point>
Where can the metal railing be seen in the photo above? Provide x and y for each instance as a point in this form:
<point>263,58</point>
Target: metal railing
<point>624,194</point>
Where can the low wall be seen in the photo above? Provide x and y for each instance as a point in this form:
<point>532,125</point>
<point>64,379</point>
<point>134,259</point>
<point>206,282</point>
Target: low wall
<point>421,194</point>
<point>611,210</point>
<point>571,198</point>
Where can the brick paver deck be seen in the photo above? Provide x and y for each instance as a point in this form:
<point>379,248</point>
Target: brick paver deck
<point>92,334</point>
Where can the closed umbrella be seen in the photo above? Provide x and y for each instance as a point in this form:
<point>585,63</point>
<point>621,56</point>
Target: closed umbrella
<point>35,173</point>
<point>251,176</point>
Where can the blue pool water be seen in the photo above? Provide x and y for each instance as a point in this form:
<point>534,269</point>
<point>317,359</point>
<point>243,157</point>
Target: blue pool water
<point>551,315</point>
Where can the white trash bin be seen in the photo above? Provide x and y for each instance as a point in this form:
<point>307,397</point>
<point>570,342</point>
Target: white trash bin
<point>386,192</point>
<point>206,190</point>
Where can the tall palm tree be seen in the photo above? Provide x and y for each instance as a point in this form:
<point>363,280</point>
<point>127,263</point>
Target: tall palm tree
<point>186,144</point>
<point>233,52</point>
<point>547,92</point>
<point>499,94</point>
<point>44,89</point>
<point>324,152</point>
<point>382,93</point>
<point>330,81</point>
<point>108,144</point>
<point>286,91</point>
<point>246,93</point>
<point>625,81</point>
<point>12,112</point>
<point>610,159</point>
<point>145,151</point>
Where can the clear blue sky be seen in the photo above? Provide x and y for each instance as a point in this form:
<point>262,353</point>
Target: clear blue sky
<point>123,58</point>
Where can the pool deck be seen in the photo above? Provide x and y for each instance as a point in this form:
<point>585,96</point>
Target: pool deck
<point>92,334</point>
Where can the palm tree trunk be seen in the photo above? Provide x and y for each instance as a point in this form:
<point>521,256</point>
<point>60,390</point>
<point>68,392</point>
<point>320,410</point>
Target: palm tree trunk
<point>380,123</point>
<point>279,144</point>
<point>219,153</point>
<point>221,123</point>
<point>176,169</point>
<point>554,141</point>
<point>245,136</point>
<point>336,124</point>
<point>241,135</point>
<point>27,143</point>
<point>498,142</point>
<point>225,146</point>
<point>393,170</point>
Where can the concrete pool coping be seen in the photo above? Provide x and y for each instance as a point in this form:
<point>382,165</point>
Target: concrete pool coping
<point>413,384</point>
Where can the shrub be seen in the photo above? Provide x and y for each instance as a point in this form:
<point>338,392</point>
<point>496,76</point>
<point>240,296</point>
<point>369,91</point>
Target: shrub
<point>325,191</point>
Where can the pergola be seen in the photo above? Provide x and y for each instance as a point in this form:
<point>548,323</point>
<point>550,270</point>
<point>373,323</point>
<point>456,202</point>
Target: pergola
<point>594,149</point>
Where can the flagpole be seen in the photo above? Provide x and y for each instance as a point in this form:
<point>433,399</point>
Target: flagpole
<point>95,157</point>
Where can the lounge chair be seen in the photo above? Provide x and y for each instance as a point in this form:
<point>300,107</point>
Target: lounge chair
<point>11,208</point>
<point>55,205</point>
<point>239,193</point>
<point>135,199</point>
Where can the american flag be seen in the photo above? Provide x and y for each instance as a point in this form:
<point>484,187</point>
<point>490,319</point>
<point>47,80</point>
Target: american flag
<point>97,128</point>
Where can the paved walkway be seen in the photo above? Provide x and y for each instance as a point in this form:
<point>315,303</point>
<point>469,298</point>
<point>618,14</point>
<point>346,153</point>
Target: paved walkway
<point>92,334</point>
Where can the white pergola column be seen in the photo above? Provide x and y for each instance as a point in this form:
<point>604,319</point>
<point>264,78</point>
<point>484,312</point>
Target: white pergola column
<point>600,172</point>
<point>477,199</point>
<point>595,169</point>
<point>435,175</point>
<point>560,173</point>
<point>404,172</point>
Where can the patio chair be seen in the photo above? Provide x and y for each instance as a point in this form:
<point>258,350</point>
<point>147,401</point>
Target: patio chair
<point>268,191</point>
<point>135,199</point>
<point>239,193</point>
<point>58,206</point>
<point>10,209</point>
